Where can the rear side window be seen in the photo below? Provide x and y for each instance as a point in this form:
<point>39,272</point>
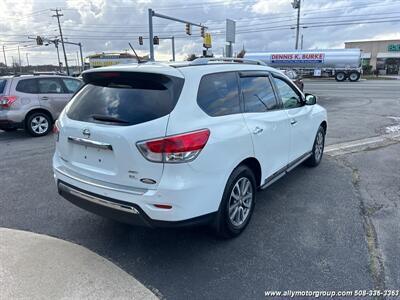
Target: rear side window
<point>258,94</point>
<point>27,86</point>
<point>50,86</point>
<point>219,94</point>
<point>125,98</point>
<point>72,85</point>
<point>2,85</point>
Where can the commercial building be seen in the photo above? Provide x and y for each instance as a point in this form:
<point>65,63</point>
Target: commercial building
<point>108,59</point>
<point>381,55</point>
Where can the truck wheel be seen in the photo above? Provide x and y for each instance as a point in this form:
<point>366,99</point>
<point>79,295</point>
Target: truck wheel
<point>340,76</point>
<point>354,76</point>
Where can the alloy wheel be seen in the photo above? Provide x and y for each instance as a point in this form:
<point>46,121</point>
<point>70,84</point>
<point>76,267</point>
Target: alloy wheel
<point>39,124</point>
<point>319,146</point>
<point>240,201</point>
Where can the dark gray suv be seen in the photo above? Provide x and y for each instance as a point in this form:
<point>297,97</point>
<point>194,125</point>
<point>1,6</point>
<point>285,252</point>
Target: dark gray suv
<point>33,102</point>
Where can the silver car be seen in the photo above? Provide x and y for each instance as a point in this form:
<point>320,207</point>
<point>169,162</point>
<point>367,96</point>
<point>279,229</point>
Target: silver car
<point>34,102</point>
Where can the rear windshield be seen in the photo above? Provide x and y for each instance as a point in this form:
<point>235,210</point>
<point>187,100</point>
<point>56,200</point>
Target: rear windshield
<point>2,85</point>
<point>125,98</point>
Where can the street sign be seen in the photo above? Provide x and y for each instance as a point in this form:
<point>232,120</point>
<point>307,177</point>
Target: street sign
<point>230,30</point>
<point>207,40</point>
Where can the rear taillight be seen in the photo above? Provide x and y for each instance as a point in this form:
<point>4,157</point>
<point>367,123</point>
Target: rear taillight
<point>176,148</point>
<point>56,130</point>
<point>6,101</point>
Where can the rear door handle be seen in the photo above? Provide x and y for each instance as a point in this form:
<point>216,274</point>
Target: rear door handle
<point>257,130</point>
<point>45,98</point>
<point>293,121</point>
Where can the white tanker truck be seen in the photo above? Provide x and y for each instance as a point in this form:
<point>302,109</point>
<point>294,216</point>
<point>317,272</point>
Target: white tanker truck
<point>341,63</point>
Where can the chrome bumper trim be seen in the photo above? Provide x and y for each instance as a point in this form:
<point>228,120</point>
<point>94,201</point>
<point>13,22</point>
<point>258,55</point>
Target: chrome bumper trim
<point>99,201</point>
<point>89,143</point>
<point>99,184</point>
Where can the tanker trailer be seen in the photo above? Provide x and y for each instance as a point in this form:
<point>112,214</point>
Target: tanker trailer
<point>341,63</point>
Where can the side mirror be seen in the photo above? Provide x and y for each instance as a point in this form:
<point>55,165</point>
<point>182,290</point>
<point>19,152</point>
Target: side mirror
<point>310,99</point>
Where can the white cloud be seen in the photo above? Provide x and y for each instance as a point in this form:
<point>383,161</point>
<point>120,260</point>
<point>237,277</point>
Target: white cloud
<point>270,6</point>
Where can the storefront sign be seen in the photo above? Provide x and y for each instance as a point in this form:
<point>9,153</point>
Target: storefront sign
<point>298,58</point>
<point>394,47</point>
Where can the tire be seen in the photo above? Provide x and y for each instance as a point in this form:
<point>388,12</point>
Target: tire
<point>318,148</point>
<point>354,76</point>
<point>38,124</point>
<point>340,76</point>
<point>241,179</point>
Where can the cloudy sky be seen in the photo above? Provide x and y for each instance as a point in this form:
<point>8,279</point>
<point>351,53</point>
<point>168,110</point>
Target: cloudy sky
<point>108,25</point>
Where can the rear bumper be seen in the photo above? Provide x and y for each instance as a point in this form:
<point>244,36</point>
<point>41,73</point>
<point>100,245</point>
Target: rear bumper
<point>11,118</point>
<point>119,210</point>
<point>8,124</point>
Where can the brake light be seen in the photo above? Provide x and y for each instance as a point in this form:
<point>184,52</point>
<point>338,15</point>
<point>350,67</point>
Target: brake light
<point>163,206</point>
<point>56,130</point>
<point>176,148</point>
<point>6,101</point>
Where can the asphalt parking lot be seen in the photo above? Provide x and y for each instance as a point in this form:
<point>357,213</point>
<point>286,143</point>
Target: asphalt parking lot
<point>335,227</point>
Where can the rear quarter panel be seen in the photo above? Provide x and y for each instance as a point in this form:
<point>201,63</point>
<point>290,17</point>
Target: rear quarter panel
<point>229,144</point>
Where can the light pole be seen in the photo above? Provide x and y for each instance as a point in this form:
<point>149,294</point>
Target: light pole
<point>152,14</point>
<point>5,58</point>
<point>19,60</point>
<point>302,37</point>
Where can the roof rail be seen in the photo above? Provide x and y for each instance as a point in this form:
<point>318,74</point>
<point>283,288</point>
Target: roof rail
<point>206,60</point>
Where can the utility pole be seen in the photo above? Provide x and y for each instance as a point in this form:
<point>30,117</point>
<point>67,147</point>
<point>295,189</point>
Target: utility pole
<point>301,43</point>
<point>173,47</point>
<point>58,15</point>
<point>58,56</point>
<point>5,58</point>
<point>296,5</point>
<point>78,68</point>
<point>82,62</point>
<point>27,59</point>
<point>19,60</point>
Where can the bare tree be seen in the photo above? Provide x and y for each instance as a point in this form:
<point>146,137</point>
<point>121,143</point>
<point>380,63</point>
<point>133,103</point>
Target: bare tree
<point>191,57</point>
<point>241,53</point>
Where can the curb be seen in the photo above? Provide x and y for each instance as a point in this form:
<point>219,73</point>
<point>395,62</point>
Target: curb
<point>36,266</point>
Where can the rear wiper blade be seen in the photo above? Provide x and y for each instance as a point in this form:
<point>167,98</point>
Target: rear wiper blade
<point>108,119</point>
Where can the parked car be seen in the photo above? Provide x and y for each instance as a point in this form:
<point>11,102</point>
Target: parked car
<point>297,79</point>
<point>183,144</point>
<point>33,102</point>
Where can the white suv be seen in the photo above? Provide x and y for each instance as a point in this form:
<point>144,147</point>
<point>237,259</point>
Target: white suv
<point>180,144</point>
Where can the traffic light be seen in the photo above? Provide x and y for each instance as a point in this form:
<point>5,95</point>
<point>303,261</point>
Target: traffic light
<point>140,40</point>
<point>202,32</point>
<point>39,40</point>
<point>156,40</point>
<point>188,29</point>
